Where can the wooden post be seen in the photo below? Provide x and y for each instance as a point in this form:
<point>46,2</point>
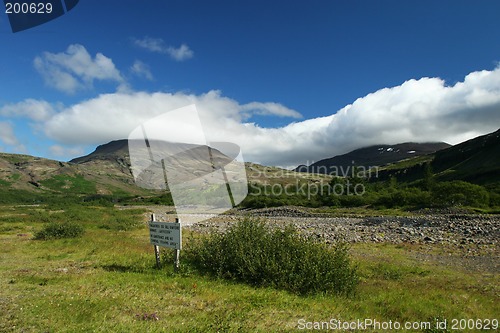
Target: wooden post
<point>156,247</point>
<point>177,252</point>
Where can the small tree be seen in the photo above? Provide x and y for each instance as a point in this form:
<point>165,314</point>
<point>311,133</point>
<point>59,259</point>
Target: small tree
<point>357,178</point>
<point>393,182</point>
<point>428,181</point>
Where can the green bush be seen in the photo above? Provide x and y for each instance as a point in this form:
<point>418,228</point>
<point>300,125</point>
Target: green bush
<point>494,199</point>
<point>459,193</point>
<point>60,230</point>
<point>253,253</point>
<point>407,197</point>
<point>352,200</point>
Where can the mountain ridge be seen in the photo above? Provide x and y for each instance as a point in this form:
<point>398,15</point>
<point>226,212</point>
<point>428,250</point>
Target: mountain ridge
<point>476,160</point>
<point>107,170</point>
<point>372,156</point>
<point>105,150</point>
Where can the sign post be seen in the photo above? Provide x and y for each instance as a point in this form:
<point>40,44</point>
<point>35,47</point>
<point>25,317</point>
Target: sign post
<point>166,234</point>
<point>177,251</point>
<point>156,247</point>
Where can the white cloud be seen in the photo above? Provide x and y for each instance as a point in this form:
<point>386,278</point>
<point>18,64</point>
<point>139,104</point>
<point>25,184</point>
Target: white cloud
<point>8,137</point>
<point>142,70</point>
<point>89,122</point>
<point>157,45</point>
<point>75,69</point>
<point>417,110</point>
<point>33,109</point>
<point>422,110</point>
<point>61,151</point>
<point>180,53</point>
<point>270,109</point>
<point>7,134</point>
<point>151,44</point>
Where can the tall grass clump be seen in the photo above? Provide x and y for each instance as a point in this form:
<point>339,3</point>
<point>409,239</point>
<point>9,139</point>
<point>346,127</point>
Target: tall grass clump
<point>57,230</point>
<point>252,252</point>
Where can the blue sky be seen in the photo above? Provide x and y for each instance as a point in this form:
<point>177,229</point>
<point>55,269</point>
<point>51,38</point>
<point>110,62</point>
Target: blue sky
<point>275,72</point>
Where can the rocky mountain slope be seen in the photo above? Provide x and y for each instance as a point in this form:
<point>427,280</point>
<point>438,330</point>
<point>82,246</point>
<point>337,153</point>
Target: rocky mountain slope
<point>44,176</point>
<point>107,171</point>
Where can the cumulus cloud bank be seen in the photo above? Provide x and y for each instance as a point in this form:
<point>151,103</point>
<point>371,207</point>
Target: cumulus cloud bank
<point>113,116</point>
<point>418,110</point>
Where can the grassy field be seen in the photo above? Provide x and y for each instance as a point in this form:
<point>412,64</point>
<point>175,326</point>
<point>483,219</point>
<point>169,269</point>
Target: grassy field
<point>106,281</point>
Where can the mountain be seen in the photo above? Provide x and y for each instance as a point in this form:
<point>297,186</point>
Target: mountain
<point>108,171</point>
<point>114,150</point>
<point>476,161</point>
<point>107,176</point>
<point>115,155</point>
<point>367,157</point>
<point>183,160</point>
<point>108,160</point>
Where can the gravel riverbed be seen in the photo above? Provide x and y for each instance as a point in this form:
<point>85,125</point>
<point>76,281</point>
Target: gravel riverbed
<point>457,229</point>
<point>468,235</point>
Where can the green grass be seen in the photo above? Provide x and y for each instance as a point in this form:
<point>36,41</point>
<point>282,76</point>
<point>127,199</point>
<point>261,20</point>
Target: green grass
<point>69,184</point>
<point>16,158</point>
<point>15,176</point>
<point>106,281</point>
<point>4,183</point>
<point>408,163</point>
<point>14,196</point>
<point>55,230</point>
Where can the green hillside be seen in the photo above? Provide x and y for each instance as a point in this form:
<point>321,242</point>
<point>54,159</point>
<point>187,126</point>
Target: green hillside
<point>476,161</point>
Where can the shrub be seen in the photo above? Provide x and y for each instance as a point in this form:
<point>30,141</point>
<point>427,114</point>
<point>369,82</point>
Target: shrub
<point>459,193</point>
<point>494,199</point>
<point>253,253</point>
<point>99,200</point>
<point>411,196</point>
<point>60,230</point>
<point>353,200</point>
